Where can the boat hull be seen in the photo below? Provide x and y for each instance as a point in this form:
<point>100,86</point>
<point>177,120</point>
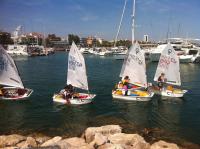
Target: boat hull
<point>20,97</point>
<point>177,93</point>
<point>185,58</point>
<point>133,98</point>
<point>74,101</point>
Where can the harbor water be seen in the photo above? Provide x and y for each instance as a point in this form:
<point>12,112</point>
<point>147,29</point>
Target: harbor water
<point>172,119</point>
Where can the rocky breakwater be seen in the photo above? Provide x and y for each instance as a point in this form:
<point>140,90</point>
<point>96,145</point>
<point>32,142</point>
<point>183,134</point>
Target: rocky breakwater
<point>105,137</point>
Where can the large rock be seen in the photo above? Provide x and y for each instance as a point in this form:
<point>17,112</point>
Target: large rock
<point>107,130</point>
<point>113,146</point>
<point>13,147</point>
<point>11,140</point>
<point>99,139</point>
<point>73,143</point>
<point>62,144</point>
<point>132,140</point>
<point>30,142</point>
<point>52,142</point>
<point>42,139</point>
<point>76,142</point>
<point>163,145</point>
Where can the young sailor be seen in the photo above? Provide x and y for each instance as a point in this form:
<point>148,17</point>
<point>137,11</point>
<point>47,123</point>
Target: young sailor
<point>125,83</point>
<point>161,80</point>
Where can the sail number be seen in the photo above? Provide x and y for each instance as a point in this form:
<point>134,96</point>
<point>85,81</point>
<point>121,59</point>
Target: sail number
<point>73,63</point>
<point>3,64</point>
<point>135,58</point>
<point>165,61</point>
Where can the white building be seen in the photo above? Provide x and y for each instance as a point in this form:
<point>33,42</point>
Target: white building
<point>146,38</point>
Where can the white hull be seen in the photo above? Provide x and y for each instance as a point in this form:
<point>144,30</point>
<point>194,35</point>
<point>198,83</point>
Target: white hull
<point>133,98</point>
<point>17,50</point>
<point>20,97</point>
<point>168,93</point>
<point>75,101</point>
<point>185,58</point>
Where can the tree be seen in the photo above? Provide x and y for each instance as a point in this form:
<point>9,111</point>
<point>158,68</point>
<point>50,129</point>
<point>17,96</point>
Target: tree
<point>74,38</point>
<point>5,38</point>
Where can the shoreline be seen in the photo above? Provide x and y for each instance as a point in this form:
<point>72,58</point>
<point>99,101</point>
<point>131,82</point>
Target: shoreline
<point>108,136</point>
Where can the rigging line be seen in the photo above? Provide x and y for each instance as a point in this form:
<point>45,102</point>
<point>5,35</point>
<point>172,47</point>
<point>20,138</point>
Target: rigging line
<point>122,16</point>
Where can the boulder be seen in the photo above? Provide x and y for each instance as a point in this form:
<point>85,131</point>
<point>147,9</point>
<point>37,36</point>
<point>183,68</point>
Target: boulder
<point>42,139</point>
<point>20,144</point>
<point>13,147</point>
<point>62,144</point>
<point>132,140</point>
<point>163,145</point>
<point>107,130</point>
<point>30,142</point>
<point>99,139</point>
<point>52,142</point>
<point>76,142</point>
<point>73,143</point>
<point>11,140</point>
<point>113,146</point>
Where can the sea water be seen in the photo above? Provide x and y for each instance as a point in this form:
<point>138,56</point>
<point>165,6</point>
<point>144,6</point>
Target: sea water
<point>171,118</point>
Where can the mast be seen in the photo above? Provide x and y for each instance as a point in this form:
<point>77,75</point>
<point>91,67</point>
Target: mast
<point>120,23</point>
<point>133,23</point>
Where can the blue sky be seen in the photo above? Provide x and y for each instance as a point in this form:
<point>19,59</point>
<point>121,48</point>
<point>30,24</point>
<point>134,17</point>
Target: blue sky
<point>101,17</point>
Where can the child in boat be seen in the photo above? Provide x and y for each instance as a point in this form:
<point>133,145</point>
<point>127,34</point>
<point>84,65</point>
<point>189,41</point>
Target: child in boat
<point>68,91</point>
<point>125,83</point>
<point>161,80</point>
<point>1,91</point>
<point>126,80</point>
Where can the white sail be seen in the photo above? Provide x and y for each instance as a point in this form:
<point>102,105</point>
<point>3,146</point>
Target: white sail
<point>9,75</point>
<point>76,69</point>
<point>134,66</point>
<point>169,65</point>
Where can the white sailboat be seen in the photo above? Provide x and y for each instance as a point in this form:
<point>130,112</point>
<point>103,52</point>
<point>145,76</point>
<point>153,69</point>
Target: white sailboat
<point>135,68</point>
<point>169,65</point>
<point>76,76</point>
<point>12,87</point>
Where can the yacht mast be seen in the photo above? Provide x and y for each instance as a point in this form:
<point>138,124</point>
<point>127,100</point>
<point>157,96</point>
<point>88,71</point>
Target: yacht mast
<point>120,23</point>
<point>133,23</point>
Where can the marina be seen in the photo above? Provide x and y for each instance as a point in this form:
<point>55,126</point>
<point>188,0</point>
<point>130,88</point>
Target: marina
<point>99,75</point>
<point>39,114</point>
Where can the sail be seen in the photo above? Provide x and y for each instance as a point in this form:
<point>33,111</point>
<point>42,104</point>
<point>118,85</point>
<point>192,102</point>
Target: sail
<point>169,65</point>
<point>76,74</point>
<point>134,66</point>
<point>124,63</point>
<point>9,75</point>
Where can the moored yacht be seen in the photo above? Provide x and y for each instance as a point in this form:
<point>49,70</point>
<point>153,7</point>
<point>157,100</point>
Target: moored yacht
<point>17,50</point>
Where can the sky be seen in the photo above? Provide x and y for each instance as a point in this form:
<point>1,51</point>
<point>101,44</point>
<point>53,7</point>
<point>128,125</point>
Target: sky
<point>180,18</point>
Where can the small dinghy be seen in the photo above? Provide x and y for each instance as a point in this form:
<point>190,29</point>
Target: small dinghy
<point>82,98</point>
<point>169,66</point>
<point>11,84</point>
<point>77,77</point>
<point>13,93</point>
<point>134,68</point>
<point>134,95</point>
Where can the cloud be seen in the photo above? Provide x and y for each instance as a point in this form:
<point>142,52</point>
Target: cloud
<point>75,7</point>
<point>89,17</point>
<point>34,2</point>
<point>161,6</point>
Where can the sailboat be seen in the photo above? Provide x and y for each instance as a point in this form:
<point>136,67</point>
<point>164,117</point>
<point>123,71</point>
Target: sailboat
<point>77,77</point>
<point>169,66</point>
<point>135,68</point>
<point>11,84</point>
